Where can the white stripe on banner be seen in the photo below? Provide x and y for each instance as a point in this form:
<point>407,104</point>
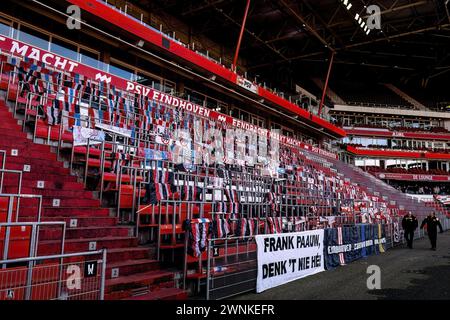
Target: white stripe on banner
<point>340,242</point>
<point>287,257</point>
<point>122,131</point>
<point>81,136</point>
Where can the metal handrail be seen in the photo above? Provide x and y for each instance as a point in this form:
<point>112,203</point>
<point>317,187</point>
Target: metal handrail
<point>20,173</point>
<point>31,261</point>
<point>34,235</point>
<point>20,196</point>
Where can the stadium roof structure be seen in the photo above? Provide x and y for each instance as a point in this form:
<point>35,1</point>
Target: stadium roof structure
<point>286,36</point>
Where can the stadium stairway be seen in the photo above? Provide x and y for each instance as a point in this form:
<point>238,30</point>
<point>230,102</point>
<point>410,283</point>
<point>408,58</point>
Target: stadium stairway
<point>402,200</point>
<point>139,275</point>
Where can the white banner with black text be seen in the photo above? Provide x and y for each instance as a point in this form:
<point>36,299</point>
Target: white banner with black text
<point>287,257</point>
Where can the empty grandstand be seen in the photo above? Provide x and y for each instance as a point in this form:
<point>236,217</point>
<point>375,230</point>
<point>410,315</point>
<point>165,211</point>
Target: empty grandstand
<point>140,147</point>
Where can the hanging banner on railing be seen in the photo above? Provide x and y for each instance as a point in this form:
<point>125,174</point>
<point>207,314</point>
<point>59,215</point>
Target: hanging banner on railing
<point>151,154</point>
<point>118,130</point>
<point>397,235</point>
<point>445,200</point>
<point>287,257</point>
<point>343,245</point>
<point>81,136</point>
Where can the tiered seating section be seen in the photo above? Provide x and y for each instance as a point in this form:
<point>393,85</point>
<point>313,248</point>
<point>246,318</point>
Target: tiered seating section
<point>430,130</point>
<point>375,169</point>
<point>402,148</point>
<point>421,188</point>
<point>372,95</point>
<point>435,99</point>
<point>405,148</point>
<point>121,147</point>
<point>403,129</point>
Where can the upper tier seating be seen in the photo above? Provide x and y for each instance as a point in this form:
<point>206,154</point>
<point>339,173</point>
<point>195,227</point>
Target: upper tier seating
<point>368,94</point>
<point>404,129</point>
<point>402,148</point>
<point>430,130</point>
<point>434,99</point>
<point>375,169</point>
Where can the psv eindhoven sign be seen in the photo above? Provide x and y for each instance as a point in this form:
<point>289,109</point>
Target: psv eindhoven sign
<point>24,50</point>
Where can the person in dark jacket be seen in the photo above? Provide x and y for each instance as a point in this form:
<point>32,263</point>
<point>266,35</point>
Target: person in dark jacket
<point>432,223</point>
<point>409,225</point>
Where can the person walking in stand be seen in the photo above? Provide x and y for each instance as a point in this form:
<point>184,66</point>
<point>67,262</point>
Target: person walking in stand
<point>432,223</point>
<point>409,225</point>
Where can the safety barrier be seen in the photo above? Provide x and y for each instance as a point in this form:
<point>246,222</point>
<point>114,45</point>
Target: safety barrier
<point>3,175</point>
<point>3,157</point>
<point>74,276</point>
<point>10,211</point>
<point>21,239</point>
<point>231,267</point>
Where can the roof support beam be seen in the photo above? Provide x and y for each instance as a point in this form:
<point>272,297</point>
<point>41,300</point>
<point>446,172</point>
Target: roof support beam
<point>201,8</point>
<point>252,34</point>
<point>397,35</point>
<point>399,8</point>
<point>304,23</point>
<point>238,46</point>
<point>389,10</point>
<point>355,45</point>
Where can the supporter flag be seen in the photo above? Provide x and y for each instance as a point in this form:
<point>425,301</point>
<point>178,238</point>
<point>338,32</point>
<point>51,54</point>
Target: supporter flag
<point>54,113</point>
<point>343,245</point>
<point>445,200</point>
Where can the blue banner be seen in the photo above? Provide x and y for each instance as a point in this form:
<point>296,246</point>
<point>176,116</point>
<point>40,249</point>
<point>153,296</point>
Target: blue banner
<point>344,245</point>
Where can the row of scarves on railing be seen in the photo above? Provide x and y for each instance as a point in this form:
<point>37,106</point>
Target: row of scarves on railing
<point>34,75</point>
<point>316,180</point>
<point>162,185</point>
<point>199,229</point>
<point>73,88</point>
<point>37,78</point>
<point>65,93</point>
<point>163,190</point>
<point>369,213</point>
<point>106,105</point>
<point>343,245</point>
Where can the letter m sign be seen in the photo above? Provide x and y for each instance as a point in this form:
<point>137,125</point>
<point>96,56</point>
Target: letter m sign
<point>90,269</point>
